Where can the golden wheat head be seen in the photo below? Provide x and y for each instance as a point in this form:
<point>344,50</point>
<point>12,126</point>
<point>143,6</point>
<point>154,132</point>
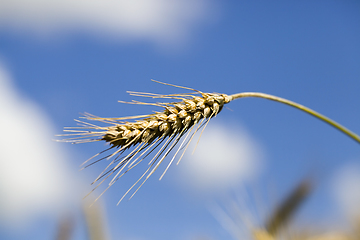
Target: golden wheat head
<point>136,137</point>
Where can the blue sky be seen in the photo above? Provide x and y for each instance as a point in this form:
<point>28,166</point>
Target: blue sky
<point>62,58</point>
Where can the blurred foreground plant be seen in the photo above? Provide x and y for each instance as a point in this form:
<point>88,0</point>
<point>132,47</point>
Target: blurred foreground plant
<point>278,224</point>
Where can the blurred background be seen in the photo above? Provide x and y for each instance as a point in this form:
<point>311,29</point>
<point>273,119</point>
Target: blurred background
<point>62,58</point>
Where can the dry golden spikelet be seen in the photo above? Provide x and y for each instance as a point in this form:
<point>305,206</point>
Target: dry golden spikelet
<point>136,137</point>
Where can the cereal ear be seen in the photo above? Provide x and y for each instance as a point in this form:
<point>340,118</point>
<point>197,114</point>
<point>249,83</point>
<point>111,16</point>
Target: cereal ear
<point>136,137</point>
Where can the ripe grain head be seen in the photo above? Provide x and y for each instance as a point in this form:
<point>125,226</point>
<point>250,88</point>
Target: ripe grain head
<point>134,138</point>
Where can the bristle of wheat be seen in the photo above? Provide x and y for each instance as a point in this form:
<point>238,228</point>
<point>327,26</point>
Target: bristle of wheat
<point>145,133</point>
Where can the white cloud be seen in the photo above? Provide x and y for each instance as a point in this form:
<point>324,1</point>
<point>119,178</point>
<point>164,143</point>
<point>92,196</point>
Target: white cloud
<point>225,156</point>
<point>159,20</point>
<point>33,174</point>
<point>346,189</point>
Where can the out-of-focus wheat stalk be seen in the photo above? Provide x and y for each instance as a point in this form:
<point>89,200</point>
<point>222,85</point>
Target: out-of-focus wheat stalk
<point>95,222</point>
<point>288,207</point>
<point>239,221</point>
<point>65,228</point>
<point>279,223</point>
<point>134,138</point>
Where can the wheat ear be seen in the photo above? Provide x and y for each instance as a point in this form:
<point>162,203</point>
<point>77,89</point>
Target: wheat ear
<point>136,137</point>
<point>288,207</point>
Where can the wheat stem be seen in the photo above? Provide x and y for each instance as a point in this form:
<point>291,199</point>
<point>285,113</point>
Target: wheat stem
<point>300,107</point>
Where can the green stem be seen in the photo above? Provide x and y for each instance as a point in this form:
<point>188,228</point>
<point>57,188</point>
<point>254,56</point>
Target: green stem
<point>301,107</point>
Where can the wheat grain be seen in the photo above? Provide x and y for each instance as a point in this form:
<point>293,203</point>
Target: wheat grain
<point>136,137</point>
